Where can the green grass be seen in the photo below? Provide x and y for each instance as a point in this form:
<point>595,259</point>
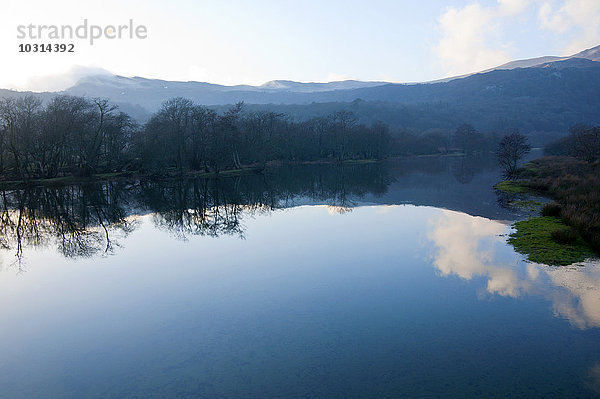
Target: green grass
<point>529,205</point>
<point>531,167</point>
<point>533,238</point>
<point>575,185</point>
<point>510,186</point>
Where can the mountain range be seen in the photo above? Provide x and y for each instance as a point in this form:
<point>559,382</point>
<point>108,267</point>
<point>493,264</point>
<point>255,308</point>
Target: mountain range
<point>150,93</point>
<point>545,94</point>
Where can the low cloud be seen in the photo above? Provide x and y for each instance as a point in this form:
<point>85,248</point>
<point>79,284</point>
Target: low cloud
<point>62,81</point>
<point>579,19</point>
<point>467,32</point>
<point>473,37</point>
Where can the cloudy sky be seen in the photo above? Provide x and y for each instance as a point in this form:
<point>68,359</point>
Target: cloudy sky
<point>251,42</point>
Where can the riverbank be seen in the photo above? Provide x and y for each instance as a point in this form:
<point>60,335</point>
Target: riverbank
<point>569,231</point>
<point>71,180</point>
<point>172,173</point>
<point>167,174</point>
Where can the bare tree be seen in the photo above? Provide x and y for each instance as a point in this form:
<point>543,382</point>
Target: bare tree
<point>511,149</point>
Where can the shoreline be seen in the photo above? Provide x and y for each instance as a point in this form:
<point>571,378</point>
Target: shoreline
<point>246,170</point>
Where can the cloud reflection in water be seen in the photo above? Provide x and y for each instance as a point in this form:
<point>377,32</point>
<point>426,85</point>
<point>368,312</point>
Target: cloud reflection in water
<point>469,247</point>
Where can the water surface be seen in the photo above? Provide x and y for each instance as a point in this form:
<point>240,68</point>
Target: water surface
<point>390,280</point>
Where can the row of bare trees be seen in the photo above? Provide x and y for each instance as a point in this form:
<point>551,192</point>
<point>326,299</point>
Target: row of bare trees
<point>69,135</point>
<point>80,136</point>
<point>188,136</point>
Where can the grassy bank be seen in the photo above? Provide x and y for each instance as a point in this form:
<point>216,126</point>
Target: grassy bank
<point>575,185</point>
<point>548,240</point>
<point>569,230</point>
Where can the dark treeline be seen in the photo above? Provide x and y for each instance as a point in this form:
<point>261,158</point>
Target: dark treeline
<point>189,136</point>
<point>81,137</point>
<point>465,139</point>
<point>583,142</point>
<point>78,136</point>
<point>541,120</point>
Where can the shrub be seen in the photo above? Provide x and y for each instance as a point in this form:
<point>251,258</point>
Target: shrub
<point>564,235</point>
<point>552,209</point>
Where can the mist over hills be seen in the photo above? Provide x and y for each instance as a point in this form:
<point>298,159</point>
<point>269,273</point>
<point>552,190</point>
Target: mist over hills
<point>542,96</point>
<point>150,93</point>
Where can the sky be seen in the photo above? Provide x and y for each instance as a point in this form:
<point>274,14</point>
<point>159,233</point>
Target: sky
<point>252,42</point>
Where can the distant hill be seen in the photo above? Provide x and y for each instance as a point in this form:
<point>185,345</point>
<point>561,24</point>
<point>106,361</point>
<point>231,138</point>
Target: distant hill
<point>543,101</point>
<point>592,54</point>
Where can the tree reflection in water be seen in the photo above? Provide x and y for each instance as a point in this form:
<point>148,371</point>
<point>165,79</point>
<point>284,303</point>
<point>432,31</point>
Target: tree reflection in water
<point>91,219</point>
<point>77,220</point>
